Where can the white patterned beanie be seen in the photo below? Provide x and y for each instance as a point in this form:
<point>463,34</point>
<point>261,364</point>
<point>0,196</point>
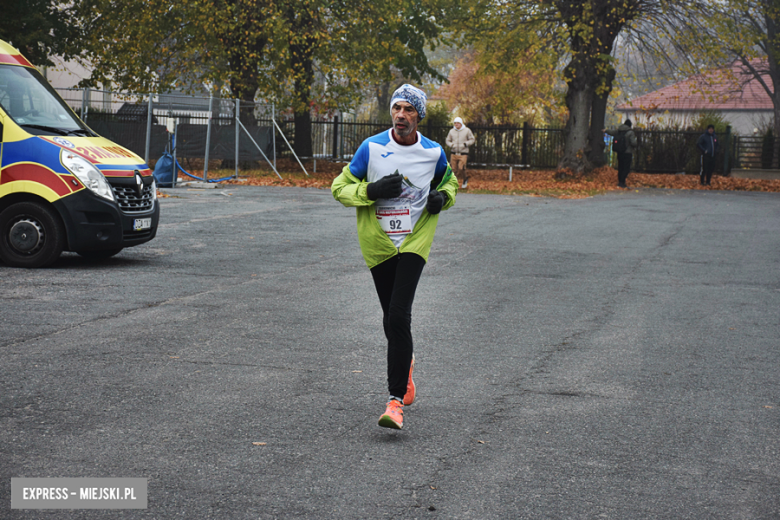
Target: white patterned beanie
<point>412,95</point>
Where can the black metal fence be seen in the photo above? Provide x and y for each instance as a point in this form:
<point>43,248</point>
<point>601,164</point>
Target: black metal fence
<point>495,145</point>
<point>659,151</point>
<point>662,151</point>
<point>124,118</point>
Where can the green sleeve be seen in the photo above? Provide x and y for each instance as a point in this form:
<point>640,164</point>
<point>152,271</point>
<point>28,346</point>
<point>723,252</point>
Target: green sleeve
<point>349,190</point>
<point>449,185</point>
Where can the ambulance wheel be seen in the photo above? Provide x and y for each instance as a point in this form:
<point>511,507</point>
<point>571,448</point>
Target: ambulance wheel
<point>31,235</point>
<point>101,254</point>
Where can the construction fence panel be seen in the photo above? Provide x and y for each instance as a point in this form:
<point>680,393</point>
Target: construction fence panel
<point>124,119</point>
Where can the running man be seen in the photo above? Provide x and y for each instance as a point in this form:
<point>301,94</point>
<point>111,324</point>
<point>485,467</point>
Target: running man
<point>399,181</point>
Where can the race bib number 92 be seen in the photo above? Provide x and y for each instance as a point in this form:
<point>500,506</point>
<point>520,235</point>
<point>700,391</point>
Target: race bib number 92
<point>394,220</point>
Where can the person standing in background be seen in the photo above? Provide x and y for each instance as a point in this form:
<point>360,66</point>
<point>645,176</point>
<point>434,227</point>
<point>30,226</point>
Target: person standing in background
<point>624,145</point>
<point>458,140</point>
<point>708,145</point>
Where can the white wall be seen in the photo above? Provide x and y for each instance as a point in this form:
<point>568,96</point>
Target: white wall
<point>742,122</point>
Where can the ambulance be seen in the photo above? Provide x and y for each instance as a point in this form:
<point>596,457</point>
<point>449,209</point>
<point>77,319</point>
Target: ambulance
<point>62,186</point>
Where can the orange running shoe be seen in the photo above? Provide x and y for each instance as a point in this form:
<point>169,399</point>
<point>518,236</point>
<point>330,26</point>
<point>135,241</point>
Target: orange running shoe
<point>411,390</point>
<point>393,416</point>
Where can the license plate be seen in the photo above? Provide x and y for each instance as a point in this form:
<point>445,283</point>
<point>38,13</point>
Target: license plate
<point>142,223</point>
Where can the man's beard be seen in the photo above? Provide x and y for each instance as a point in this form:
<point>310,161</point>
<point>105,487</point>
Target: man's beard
<point>404,131</point>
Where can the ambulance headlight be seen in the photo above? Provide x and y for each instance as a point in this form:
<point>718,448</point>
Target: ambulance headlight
<point>154,189</point>
<point>87,173</point>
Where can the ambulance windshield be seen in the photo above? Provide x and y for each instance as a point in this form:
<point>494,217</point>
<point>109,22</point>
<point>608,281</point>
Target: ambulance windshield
<point>34,105</point>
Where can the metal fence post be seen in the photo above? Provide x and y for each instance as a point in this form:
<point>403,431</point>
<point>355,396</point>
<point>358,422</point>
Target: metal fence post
<point>175,165</point>
<point>208,138</point>
<point>149,113</point>
<point>526,142</point>
<point>238,109</point>
<point>726,170</point>
<point>84,104</point>
<point>341,143</point>
<point>273,131</point>
<point>335,136</point>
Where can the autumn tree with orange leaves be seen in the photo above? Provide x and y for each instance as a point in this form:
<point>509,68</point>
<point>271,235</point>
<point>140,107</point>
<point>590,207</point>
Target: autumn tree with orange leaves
<point>488,93</point>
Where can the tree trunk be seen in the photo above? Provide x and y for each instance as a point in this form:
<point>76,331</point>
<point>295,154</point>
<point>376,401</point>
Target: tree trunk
<point>579,101</point>
<point>589,76</point>
<point>303,83</point>
<point>776,142</point>
<point>303,70</point>
<point>302,49</point>
<point>383,93</point>
<point>302,144</point>
<point>773,73</point>
<point>770,18</point>
<point>595,147</point>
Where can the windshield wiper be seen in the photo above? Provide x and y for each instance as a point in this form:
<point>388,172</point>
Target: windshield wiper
<point>58,131</point>
<point>80,131</point>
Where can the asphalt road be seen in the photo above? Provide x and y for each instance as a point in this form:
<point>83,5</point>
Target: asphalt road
<point>616,357</point>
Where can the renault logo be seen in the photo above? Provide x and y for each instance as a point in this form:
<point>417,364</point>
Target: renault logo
<point>139,184</point>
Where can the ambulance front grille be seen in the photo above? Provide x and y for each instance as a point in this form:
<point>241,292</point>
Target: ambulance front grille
<point>129,201</point>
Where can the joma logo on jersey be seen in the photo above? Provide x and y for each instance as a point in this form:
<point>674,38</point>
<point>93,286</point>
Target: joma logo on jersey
<point>386,155</point>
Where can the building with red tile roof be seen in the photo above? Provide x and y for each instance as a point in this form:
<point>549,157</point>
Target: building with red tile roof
<point>732,92</point>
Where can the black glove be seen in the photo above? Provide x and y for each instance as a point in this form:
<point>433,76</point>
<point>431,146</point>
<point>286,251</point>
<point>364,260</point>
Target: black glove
<point>436,201</point>
<point>385,188</point>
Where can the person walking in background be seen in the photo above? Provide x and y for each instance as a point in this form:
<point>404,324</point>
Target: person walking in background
<point>399,182</point>
<point>458,140</point>
<point>624,144</point>
<point>708,145</point>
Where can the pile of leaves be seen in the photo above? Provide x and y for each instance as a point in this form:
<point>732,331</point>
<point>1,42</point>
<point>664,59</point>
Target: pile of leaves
<point>566,185</point>
<point>540,183</point>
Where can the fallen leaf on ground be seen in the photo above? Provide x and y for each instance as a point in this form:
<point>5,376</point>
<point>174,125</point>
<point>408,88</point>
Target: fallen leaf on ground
<point>538,183</point>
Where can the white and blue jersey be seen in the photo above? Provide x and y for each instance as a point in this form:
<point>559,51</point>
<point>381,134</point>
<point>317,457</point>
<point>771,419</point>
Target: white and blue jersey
<point>420,164</point>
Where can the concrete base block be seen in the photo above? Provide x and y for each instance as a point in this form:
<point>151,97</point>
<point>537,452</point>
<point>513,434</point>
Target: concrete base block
<point>756,174</point>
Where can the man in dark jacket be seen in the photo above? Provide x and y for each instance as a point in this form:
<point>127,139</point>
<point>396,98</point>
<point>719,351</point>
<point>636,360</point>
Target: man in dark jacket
<point>624,145</point>
<point>708,145</point>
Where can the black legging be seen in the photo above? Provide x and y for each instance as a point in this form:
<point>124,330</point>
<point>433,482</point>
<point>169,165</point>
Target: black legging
<point>396,282</point>
<point>624,166</point>
<point>707,167</point>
